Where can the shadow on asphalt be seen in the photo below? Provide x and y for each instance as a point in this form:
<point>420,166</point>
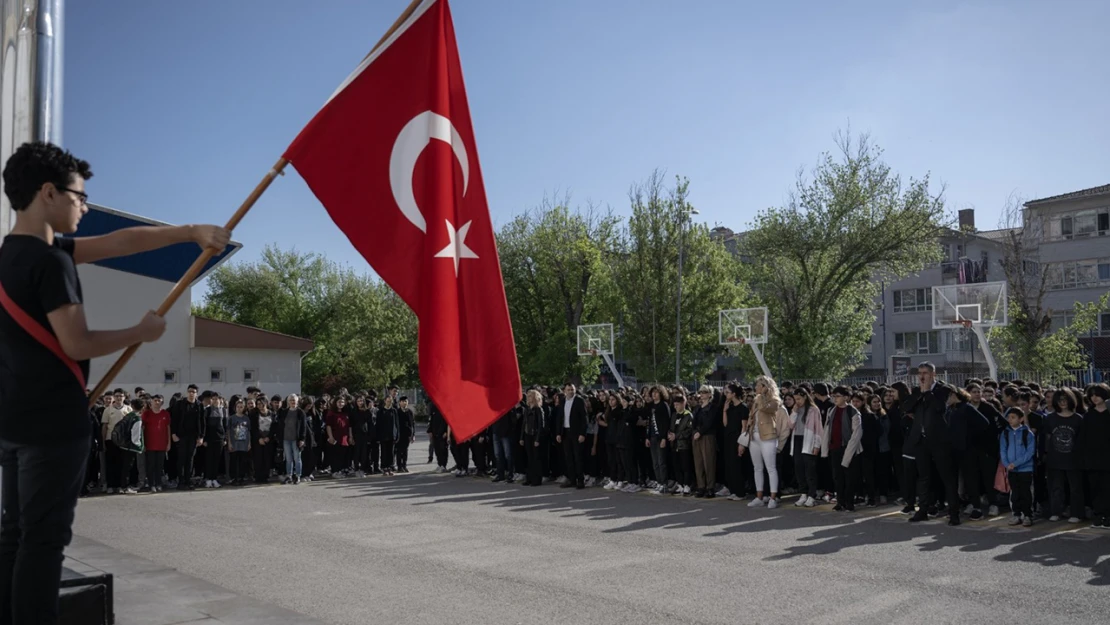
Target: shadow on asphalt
<point>1044,544</point>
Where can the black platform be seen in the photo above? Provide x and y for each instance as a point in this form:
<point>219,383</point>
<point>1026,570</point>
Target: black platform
<point>86,599</point>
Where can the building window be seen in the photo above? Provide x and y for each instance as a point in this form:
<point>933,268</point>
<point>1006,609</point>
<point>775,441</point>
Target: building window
<point>250,375</point>
<point>1104,322</point>
<point>1079,274</point>
<point>917,342</point>
<point>169,376</point>
<point>913,300</point>
<point>1079,224</point>
<point>216,376</point>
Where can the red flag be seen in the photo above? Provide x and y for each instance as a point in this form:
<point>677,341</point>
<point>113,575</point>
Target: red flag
<point>392,157</point>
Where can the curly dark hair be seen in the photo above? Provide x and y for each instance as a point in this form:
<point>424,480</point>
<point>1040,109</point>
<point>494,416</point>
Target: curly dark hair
<point>35,164</point>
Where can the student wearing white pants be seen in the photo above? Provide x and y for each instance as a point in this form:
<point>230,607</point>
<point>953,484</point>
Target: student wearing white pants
<point>766,434</point>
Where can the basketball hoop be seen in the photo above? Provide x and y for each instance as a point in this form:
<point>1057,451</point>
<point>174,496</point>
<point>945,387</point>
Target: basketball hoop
<point>966,323</point>
<point>593,352</point>
<point>737,340</point>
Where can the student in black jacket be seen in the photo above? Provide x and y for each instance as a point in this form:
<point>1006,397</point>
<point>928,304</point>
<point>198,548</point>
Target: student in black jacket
<point>387,429</point>
<point>1096,440</point>
<point>705,443</point>
<point>362,424</point>
<point>929,441</point>
<point>658,427</point>
<point>980,462</point>
<point>187,425</point>
<point>535,436</point>
<point>571,422</point>
<point>406,434</point>
<point>437,432</point>
<point>215,436</point>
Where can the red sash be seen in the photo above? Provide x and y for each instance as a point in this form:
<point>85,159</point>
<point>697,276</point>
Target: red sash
<point>40,334</point>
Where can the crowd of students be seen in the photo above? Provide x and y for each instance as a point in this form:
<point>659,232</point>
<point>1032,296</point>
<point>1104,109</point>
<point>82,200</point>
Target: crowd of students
<point>935,449</point>
<point>144,443</point>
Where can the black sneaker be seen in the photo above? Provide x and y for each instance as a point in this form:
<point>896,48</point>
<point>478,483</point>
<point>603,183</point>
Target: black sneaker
<point>909,510</point>
<point>954,521</point>
<point>296,479</point>
<point>919,516</point>
<point>700,494</point>
<point>976,514</point>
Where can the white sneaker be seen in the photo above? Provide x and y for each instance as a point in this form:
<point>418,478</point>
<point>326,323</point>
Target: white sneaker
<point>1073,519</point>
<point>801,501</point>
<point>724,492</point>
<point>610,486</point>
<point>882,500</point>
<point>633,488</point>
<point>685,490</point>
<point>774,503</point>
<point>969,509</point>
<point>561,480</point>
<point>756,503</point>
<point>734,497</point>
<point>655,491</point>
<point>992,511</point>
<point>1054,518</point>
<point>810,502</point>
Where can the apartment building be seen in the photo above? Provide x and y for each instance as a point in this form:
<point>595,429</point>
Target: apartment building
<point>1074,240</point>
<point>1075,244</point>
<point>903,325</point>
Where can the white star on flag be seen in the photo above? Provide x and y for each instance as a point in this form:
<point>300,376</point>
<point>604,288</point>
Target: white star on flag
<point>457,248</point>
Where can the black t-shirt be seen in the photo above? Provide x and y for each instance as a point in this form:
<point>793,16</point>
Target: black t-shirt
<point>41,400</point>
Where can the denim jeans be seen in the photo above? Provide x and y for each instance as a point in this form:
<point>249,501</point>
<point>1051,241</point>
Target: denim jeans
<point>292,458</point>
<point>503,451</point>
<point>39,489</point>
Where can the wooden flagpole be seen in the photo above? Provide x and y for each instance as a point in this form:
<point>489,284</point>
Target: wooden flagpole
<point>207,254</point>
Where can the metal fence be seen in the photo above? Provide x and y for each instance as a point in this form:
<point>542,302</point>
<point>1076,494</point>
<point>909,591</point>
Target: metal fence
<point>1075,378</point>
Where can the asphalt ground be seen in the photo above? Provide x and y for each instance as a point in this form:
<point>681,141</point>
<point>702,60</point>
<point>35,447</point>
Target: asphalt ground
<point>427,548</point>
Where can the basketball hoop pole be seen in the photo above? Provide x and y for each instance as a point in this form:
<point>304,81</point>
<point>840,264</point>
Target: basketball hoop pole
<point>993,368</point>
<point>613,368</point>
<point>759,356</point>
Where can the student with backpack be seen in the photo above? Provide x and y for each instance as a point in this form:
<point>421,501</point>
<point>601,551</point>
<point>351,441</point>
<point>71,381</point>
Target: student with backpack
<point>1017,446</point>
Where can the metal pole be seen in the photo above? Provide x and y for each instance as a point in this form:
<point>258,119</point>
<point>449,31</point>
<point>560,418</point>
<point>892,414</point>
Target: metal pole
<point>48,72</point>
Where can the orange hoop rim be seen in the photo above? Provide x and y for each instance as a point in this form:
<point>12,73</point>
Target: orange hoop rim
<point>966,323</point>
<point>736,340</point>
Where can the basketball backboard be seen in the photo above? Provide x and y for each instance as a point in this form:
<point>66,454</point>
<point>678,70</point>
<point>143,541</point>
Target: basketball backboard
<point>595,340</point>
<point>984,305</point>
<point>749,324</point>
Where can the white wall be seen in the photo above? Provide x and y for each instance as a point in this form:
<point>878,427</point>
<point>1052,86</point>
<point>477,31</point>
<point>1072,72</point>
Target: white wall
<point>277,371</point>
<point>114,299</point>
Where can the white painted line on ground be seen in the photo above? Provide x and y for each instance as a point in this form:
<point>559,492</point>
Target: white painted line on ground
<point>584,500</point>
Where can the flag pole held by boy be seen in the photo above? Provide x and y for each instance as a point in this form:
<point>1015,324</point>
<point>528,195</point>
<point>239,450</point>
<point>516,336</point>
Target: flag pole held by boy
<point>415,209</point>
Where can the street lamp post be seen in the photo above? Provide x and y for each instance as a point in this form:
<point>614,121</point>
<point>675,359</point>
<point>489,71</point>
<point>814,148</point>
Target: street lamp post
<point>686,212</point>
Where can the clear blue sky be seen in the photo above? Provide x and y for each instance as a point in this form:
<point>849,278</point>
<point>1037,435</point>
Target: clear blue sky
<point>183,106</point>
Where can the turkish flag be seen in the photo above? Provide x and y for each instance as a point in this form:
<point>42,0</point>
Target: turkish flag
<point>392,157</point>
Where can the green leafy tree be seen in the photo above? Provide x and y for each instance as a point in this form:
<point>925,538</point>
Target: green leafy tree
<point>647,282</point>
<point>365,335</point>
<point>1051,353</point>
<point>812,262</point>
<point>555,265</point>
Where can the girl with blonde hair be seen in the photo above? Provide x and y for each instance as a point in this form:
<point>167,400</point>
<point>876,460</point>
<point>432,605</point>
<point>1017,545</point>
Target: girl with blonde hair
<point>766,434</point>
